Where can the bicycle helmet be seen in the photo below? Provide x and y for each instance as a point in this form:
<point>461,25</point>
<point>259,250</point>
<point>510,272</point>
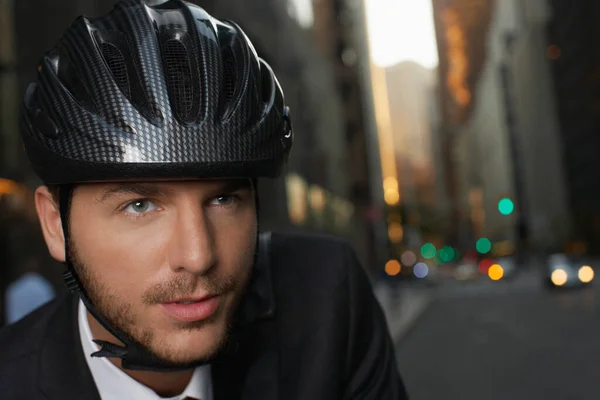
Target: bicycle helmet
<point>154,92</point>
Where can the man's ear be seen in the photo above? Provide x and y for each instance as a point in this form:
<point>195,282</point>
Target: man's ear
<point>49,214</point>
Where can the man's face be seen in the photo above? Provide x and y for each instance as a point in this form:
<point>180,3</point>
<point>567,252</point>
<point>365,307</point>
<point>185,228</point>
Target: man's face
<point>141,247</point>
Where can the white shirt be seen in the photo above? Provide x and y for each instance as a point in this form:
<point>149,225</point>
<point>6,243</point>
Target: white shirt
<point>114,384</point>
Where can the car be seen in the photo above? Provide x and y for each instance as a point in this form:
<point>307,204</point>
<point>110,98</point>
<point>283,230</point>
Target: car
<point>562,271</point>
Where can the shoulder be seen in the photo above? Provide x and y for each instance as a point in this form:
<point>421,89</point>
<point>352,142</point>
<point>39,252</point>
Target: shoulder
<point>23,343</point>
<point>310,253</point>
<point>322,270</point>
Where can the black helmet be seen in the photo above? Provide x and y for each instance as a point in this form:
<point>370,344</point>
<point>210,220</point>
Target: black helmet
<point>163,91</point>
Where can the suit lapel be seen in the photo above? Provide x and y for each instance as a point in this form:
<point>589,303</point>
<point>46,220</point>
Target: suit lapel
<point>64,373</point>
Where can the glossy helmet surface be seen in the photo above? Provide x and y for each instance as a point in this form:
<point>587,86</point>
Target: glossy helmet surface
<point>163,91</point>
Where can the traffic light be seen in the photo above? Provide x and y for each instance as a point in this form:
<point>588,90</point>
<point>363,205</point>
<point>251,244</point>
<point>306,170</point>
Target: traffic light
<point>506,206</point>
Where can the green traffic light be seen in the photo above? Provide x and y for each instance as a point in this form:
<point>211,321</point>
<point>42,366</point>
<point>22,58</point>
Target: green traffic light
<point>483,245</point>
<point>506,206</point>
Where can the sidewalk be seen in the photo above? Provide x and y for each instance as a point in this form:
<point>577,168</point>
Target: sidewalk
<point>403,309</point>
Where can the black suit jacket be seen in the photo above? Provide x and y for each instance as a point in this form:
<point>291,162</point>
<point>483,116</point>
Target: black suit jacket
<point>312,330</point>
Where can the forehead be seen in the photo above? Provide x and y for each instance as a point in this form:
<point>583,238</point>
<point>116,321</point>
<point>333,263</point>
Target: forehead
<point>162,187</point>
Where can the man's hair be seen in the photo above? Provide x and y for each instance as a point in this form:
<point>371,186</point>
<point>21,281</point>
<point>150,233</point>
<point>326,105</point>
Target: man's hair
<point>54,190</point>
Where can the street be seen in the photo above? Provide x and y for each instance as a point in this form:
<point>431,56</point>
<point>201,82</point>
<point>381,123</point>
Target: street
<point>505,340</point>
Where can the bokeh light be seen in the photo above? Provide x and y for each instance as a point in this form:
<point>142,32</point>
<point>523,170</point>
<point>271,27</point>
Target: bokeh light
<point>506,206</point>
<point>390,183</point>
<point>484,266</point>
<point>559,277</point>
<point>586,274</point>
<point>503,249</point>
<point>553,52</point>
<point>8,187</point>
<point>421,270</point>
<point>456,255</point>
<point>395,232</point>
<point>317,198</point>
<point>392,197</point>
<point>470,257</point>
<point>408,258</point>
<point>428,250</point>
<point>446,254</point>
<point>391,191</point>
<point>483,245</point>
<point>393,267</point>
<point>496,272</point>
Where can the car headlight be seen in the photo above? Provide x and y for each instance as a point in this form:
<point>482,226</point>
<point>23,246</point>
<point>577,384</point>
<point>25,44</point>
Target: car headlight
<point>559,277</point>
<point>585,274</point>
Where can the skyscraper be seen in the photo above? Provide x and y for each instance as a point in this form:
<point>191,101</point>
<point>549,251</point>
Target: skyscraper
<point>573,47</point>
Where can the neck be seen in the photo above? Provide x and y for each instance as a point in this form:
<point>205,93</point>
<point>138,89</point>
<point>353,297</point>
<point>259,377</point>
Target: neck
<point>165,384</point>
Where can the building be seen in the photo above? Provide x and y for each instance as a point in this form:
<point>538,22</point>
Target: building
<point>546,221</point>
<point>441,204</point>
<point>408,87</point>
<point>572,44</point>
<point>461,28</point>
<point>415,120</point>
<point>339,33</point>
<point>509,143</point>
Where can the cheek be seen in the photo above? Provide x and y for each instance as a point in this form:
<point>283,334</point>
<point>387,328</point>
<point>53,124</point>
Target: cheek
<point>125,258</point>
<point>236,242</point>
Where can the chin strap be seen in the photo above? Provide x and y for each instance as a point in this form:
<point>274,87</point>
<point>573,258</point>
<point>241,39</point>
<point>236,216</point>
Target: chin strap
<point>258,303</point>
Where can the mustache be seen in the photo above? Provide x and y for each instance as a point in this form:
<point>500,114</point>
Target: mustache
<point>187,285</point>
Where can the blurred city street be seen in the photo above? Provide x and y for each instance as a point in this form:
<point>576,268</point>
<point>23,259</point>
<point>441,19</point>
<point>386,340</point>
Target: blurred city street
<point>504,340</point>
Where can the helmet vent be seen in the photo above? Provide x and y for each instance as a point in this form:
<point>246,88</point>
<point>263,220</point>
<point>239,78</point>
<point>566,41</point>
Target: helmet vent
<point>229,75</point>
<point>71,79</point>
<point>116,63</point>
<point>179,75</point>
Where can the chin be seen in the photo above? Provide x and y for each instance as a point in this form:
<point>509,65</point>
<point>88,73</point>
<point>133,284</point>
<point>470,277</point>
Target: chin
<point>190,344</point>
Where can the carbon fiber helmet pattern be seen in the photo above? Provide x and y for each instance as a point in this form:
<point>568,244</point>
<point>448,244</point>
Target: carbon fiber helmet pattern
<point>164,91</point>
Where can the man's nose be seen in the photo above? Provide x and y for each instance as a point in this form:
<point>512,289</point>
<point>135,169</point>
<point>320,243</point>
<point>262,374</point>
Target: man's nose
<point>192,245</point>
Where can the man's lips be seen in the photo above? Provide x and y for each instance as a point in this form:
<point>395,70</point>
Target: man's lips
<point>191,299</point>
<point>198,309</point>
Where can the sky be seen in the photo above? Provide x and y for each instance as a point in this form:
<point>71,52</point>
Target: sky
<point>401,30</point>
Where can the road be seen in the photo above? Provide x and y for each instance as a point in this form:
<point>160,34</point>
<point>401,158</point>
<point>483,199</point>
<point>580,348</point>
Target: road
<point>505,341</point>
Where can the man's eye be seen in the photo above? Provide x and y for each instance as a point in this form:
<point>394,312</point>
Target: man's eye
<point>224,200</point>
<point>140,207</point>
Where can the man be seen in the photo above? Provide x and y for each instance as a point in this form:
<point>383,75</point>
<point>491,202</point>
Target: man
<point>150,127</point>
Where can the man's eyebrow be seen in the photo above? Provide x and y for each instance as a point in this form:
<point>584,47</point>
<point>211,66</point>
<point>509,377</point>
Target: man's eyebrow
<point>138,189</point>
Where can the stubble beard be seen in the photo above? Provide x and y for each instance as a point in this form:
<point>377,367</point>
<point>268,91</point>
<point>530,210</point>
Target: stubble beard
<point>119,313</point>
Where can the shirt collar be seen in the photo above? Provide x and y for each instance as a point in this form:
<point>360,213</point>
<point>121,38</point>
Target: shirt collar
<point>113,383</point>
